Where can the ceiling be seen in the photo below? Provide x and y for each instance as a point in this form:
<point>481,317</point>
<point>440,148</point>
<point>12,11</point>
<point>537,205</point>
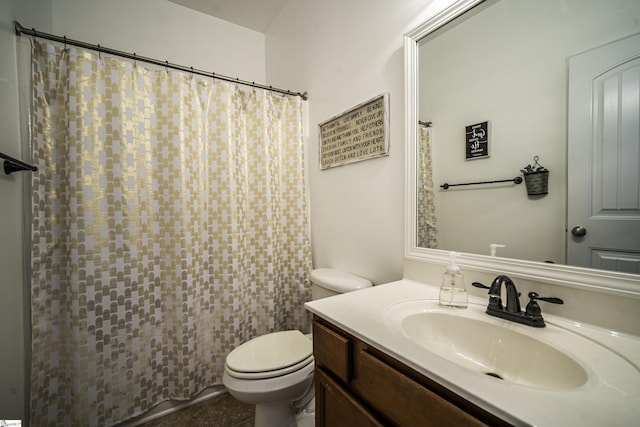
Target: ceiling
<point>254,14</point>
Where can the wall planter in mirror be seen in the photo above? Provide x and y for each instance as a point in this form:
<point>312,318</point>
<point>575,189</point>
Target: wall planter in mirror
<point>360,133</point>
<point>536,178</point>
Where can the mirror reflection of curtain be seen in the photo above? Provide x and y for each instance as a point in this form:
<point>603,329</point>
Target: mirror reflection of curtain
<point>169,226</point>
<point>427,233</point>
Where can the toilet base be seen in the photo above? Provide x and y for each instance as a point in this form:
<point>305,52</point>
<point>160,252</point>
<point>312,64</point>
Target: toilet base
<point>275,415</point>
<point>283,415</point>
<point>307,416</point>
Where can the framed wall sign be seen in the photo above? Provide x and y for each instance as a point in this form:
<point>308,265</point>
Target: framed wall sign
<point>360,133</point>
<point>477,141</point>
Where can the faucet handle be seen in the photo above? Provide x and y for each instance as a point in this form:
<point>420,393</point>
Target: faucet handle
<point>495,301</point>
<point>480,285</point>
<point>533,309</point>
<point>534,296</point>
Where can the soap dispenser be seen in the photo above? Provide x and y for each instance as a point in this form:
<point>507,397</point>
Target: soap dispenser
<point>453,293</point>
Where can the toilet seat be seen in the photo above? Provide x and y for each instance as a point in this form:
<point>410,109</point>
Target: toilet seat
<point>271,355</point>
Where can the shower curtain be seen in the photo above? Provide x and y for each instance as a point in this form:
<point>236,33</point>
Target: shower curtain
<point>169,226</point>
<point>426,217</point>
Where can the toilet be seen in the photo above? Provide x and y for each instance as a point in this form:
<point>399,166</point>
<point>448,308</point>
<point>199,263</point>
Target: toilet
<point>275,371</point>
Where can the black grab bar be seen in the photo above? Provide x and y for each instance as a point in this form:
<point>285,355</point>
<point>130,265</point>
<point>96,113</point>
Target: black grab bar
<point>516,180</point>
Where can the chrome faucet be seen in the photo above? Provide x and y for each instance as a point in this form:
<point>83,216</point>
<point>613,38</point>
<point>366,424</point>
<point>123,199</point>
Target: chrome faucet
<point>532,316</point>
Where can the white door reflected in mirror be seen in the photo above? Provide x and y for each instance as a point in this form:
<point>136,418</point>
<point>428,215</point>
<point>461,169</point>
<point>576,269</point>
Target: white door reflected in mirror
<point>604,137</point>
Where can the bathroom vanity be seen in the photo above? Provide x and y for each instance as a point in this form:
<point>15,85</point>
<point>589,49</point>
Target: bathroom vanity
<point>357,382</point>
<point>390,355</point>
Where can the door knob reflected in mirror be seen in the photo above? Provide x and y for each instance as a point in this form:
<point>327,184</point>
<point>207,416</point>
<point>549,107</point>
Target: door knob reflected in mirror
<point>579,231</point>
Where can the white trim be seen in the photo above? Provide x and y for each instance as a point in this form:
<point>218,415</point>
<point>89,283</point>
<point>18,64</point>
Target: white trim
<point>621,284</point>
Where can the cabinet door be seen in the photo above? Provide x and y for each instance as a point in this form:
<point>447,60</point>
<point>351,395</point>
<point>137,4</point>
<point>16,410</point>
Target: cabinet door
<point>335,407</point>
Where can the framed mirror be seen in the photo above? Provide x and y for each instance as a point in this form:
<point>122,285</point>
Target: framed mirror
<point>505,63</point>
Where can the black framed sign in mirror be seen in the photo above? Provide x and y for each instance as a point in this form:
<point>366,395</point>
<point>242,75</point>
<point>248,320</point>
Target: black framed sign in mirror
<point>477,141</point>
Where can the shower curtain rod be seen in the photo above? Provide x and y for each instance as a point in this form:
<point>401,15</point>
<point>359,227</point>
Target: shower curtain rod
<point>19,29</point>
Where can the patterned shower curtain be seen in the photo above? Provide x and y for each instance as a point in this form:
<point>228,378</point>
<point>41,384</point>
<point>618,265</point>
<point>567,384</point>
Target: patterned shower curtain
<point>169,226</point>
<point>426,217</point>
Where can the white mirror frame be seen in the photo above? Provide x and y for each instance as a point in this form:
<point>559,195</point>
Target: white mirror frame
<point>576,277</point>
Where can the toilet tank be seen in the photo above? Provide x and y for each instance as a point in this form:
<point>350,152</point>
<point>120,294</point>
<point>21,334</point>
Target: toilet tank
<point>326,282</point>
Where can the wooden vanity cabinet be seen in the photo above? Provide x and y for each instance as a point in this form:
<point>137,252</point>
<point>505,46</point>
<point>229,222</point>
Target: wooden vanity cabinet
<point>357,385</point>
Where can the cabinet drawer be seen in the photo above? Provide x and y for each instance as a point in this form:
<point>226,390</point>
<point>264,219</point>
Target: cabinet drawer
<point>403,401</point>
<point>332,351</point>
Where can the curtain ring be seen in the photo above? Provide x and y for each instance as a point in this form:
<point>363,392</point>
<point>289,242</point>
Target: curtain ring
<point>65,42</point>
<point>99,52</point>
<point>135,60</point>
<point>166,66</point>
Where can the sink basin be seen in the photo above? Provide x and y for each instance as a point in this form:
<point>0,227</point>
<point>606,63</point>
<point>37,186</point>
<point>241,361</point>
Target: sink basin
<point>500,349</point>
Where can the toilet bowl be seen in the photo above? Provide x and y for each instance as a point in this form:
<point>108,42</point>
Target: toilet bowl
<point>275,371</point>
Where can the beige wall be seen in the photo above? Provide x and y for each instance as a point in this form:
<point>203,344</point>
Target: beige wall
<point>166,31</point>
<point>344,53</point>
<point>158,29</point>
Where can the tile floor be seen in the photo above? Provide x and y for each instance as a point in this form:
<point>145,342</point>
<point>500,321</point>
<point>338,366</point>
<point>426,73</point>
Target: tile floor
<point>219,411</point>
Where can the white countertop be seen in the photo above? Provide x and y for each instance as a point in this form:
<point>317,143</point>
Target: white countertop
<point>610,397</point>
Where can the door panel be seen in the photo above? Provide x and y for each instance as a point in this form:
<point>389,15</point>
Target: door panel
<point>603,193</point>
<point>616,261</point>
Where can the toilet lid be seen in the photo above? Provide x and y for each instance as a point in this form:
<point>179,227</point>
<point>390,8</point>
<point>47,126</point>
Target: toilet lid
<point>281,352</point>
